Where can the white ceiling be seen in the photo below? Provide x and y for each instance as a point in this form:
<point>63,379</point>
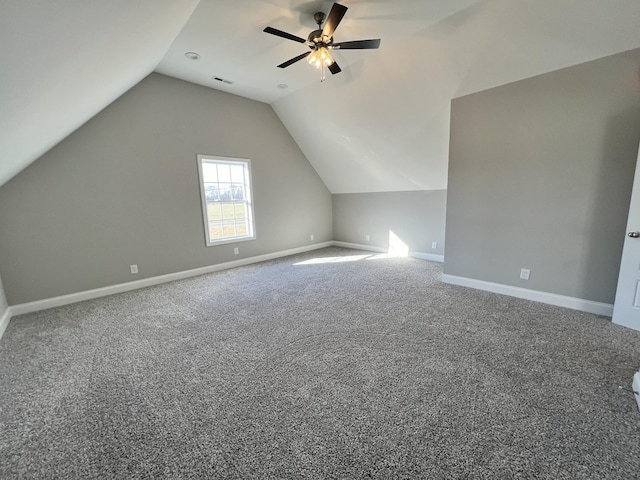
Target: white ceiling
<point>380,125</point>
<point>229,38</point>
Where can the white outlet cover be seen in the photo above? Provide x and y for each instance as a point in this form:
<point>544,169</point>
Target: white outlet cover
<point>635,386</point>
<point>525,273</point>
<point>434,245</point>
<point>311,236</point>
<point>134,268</point>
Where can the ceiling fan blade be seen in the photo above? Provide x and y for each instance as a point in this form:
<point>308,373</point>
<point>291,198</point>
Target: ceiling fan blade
<point>293,60</point>
<point>357,44</point>
<point>334,68</point>
<point>334,18</point>
<point>280,33</point>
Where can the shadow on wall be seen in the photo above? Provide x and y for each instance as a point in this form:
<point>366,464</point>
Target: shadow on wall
<point>612,189</point>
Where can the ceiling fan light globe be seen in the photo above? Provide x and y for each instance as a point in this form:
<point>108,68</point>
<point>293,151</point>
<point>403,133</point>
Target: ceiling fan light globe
<point>319,57</point>
<point>311,59</point>
<point>325,56</point>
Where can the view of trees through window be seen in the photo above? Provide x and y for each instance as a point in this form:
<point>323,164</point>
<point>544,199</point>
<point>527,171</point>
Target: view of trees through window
<point>227,192</point>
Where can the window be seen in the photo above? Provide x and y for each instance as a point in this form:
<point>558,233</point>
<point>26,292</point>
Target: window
<point>227,208</point>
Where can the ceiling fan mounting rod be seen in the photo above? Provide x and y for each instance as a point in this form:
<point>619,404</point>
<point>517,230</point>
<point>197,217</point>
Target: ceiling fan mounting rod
<point>319,18</point>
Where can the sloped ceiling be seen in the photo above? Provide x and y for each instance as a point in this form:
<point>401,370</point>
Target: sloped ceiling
<point>384,125</point>
<point>63,62</point>
<point>380,125</point>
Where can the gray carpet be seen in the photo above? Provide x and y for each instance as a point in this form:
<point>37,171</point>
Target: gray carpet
<point>297,368</point>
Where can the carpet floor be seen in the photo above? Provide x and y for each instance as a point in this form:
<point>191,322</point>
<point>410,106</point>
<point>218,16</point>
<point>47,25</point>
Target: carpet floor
<point>333,364</point>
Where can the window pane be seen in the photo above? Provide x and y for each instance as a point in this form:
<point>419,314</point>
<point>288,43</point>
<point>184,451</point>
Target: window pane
<point>214,212</point>
<point>209,172</point>
<point>215,232</point>
<point>240,212</point>
<point>225,192</point>
<point>237,173</point>
<point>227,211</point>
<point>211,192</point>
<point>241,229</point>
<point>237,191</point>
<point>229,231</point>
<point>224,172</point>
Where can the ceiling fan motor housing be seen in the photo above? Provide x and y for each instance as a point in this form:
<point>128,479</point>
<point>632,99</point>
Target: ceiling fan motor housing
<point>316,37</point>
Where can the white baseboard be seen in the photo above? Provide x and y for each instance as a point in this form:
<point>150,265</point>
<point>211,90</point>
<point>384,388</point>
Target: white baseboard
<point>427,256</point>
<point>598,308</point>
<point>148,282</point>
<point>4,320</point>
<point>635,386</point>
<point>357,246</point>
<point>370,248</point>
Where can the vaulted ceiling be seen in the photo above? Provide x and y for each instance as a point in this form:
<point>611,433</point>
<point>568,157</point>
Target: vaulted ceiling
<point>382,124</point>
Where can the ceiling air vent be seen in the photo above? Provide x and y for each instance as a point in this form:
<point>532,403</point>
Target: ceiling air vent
<point>223,80</point>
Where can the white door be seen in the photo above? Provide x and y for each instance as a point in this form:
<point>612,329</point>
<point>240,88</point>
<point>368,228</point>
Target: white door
<point>626,310</point>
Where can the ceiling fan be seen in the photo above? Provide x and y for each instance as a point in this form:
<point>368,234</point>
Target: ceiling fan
<point>320,41</point>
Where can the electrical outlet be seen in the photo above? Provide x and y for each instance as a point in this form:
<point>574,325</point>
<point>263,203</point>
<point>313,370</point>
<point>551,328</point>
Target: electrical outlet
<point>434,245</point>
<point>236,251</point>
<point>367,237</point>
<point>134,269</point>
<point>635,386</point>
<point>525,273</point>
<point>311,237</point>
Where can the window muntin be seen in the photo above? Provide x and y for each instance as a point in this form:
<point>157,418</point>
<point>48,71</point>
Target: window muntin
<point>227,208</point>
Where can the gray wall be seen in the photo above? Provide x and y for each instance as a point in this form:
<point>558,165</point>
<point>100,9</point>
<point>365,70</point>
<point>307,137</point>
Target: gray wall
<point>540,177</point>
<point>123,189</point>
<point>417,218</point>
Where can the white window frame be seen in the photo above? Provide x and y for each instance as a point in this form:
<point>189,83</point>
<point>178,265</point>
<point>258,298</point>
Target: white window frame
<point>248,202</point>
